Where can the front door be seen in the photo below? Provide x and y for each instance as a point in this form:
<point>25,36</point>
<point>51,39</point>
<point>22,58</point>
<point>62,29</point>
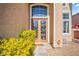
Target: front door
<point>41,27</point>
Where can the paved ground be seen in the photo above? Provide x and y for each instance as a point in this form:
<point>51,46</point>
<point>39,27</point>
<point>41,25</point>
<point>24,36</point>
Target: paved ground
<point>70,49</point>
<point>42,50</point>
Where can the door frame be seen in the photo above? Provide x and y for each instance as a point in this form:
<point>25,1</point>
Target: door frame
<point>41,17</point>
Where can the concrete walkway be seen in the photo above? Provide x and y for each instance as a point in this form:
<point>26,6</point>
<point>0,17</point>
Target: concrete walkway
<point>42,50</point>
<point>69,49</point>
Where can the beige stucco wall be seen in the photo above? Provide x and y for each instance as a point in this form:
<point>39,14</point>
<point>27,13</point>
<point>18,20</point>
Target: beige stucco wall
<point>58,25</point>
<point>13,19</point>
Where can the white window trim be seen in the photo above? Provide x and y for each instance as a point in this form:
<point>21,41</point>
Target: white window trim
<point>66,34</point>
<point>41,17</point>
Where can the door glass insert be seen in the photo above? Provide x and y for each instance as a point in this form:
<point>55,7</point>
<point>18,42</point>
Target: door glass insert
<point>35,27</point>
<point>43,29</point>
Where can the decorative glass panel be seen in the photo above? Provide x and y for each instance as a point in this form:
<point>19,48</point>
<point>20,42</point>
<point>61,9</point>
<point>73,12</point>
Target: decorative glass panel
<point>39,10</point>
<point>43,29</point>
<point>66,27</point>
<point>35,27</point>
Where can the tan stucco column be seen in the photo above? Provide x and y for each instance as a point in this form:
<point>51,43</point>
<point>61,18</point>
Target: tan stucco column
<point>57,25</point>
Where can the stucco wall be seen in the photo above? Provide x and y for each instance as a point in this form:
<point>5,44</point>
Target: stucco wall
<point>58,36</point>
<point>58,25</point>
<point>13,19</point>
<point>51,14</point>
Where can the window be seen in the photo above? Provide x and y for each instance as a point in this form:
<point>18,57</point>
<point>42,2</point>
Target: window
<point>39,10</point>
<point>35,27</point>
<point>43,29</point>
<point>66,23</point>
<point>64,4</point>
<point>66,27</point>
<point>65,15</point>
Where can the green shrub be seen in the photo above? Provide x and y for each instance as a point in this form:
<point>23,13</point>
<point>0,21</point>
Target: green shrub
<point>23,46</point>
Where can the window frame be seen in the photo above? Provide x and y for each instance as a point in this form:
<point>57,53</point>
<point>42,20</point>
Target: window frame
<point>64,20</point>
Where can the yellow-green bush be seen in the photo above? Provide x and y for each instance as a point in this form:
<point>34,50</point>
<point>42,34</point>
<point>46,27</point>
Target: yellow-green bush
<point>23,46</point>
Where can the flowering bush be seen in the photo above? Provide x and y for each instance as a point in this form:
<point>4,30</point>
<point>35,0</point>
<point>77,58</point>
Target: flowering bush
<point>23,46</point>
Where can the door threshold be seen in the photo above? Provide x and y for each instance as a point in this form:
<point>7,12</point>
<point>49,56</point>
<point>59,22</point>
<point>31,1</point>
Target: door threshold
<point>41,43</point>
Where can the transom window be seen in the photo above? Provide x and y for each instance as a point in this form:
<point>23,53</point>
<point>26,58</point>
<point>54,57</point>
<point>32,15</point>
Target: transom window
<point>65,15</point>
<point>39,10</point>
